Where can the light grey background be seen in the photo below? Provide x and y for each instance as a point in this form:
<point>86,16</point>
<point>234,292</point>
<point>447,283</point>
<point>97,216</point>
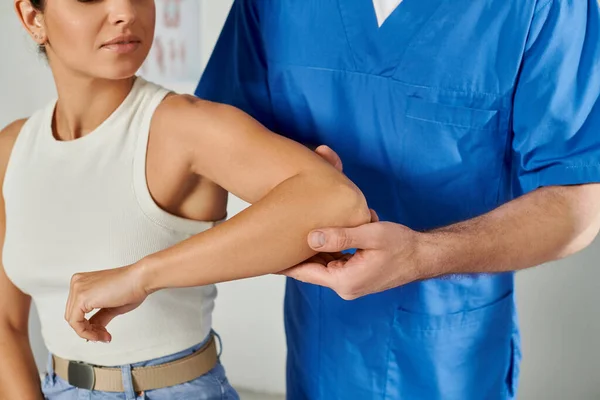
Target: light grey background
<point>558,303</point>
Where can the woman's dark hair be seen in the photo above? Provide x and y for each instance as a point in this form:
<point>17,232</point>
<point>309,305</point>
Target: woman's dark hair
<point>39,5</point>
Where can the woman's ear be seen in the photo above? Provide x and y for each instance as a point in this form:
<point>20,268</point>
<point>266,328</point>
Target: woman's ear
<point>32,20</point>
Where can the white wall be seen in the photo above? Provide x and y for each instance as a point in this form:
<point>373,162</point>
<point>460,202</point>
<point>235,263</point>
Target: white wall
<point>559,306</point>
<point>558,303</point>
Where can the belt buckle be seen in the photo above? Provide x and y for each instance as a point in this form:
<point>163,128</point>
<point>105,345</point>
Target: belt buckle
<point>81,375</point>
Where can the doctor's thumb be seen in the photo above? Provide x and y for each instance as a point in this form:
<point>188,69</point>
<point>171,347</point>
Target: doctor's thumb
<point>332,240</point>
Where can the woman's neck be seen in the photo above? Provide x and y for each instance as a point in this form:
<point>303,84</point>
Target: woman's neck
<point>84,103</point>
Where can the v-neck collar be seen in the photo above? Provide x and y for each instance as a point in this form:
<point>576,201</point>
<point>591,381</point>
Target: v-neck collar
<point>384,8</point>
<point>378,49</point>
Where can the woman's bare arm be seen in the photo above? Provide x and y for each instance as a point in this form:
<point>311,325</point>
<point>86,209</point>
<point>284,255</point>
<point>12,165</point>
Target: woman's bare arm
<point>19,378</point>
<point>292,191</point>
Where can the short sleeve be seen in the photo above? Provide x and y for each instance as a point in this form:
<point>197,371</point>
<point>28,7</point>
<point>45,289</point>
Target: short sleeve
<point>237,73</point>
<point>556,107</point>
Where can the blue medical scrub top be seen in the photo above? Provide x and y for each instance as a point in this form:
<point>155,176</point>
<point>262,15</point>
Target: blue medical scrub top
<point>445,112</point>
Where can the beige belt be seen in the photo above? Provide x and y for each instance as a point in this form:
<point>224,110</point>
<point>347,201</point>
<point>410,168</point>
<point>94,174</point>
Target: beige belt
<point>86,376</point>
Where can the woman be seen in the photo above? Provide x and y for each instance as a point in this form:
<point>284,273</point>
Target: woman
<point>108,195</point>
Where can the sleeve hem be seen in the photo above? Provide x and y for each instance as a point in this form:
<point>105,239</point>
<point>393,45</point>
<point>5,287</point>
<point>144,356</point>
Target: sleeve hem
<point>560,175</point>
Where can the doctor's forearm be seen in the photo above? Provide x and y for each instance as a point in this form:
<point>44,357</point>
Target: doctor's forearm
<point>542,226</point>
<point>267,237</point>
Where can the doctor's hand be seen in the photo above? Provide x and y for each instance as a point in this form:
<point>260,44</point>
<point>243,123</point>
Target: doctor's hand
<point>388,254</point>
<point>330,156</point>
<point>113,292</point>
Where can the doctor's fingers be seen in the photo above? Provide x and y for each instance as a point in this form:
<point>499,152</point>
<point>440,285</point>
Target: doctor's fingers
<point>330,156</point>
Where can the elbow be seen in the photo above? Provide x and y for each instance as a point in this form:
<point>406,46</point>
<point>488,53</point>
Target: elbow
<point>352,207</point>
<point>580,242</point>
<point>581,214</point>
<point>589,237</point>
<point>584,240</point>
<point>335,200</point>
<point>359,209</point>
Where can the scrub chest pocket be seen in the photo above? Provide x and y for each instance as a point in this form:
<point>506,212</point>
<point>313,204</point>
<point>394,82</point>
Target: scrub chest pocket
<point>447,139</point>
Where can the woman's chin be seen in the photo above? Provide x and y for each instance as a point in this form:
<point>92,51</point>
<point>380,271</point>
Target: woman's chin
<point>121,71</point>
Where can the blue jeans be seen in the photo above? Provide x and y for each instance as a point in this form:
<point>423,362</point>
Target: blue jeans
<point>211,386</point>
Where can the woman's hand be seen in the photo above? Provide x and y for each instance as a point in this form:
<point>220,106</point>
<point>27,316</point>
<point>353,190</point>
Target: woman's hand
<point>113,292</point>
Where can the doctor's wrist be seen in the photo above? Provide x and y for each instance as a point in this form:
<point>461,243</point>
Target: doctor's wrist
<point>435,254</point>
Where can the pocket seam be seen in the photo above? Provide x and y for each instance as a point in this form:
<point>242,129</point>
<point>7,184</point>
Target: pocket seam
<point>416,322</point>
<point>422,110</point>
<point>450,124</point>
<point>444,328</point>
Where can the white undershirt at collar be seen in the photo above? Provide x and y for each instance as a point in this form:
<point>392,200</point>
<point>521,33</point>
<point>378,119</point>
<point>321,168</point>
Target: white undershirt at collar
<point>384,8</point>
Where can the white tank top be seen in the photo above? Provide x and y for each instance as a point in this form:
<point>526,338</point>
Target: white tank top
<point>84,205</point>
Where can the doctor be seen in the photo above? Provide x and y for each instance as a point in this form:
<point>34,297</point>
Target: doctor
<point>473,128</point>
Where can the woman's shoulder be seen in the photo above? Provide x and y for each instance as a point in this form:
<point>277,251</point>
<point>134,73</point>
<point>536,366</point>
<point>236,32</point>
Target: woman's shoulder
<point>176,104</point>
<point>186,113</point>
<point>13,129</point>
<point>8,137</point>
